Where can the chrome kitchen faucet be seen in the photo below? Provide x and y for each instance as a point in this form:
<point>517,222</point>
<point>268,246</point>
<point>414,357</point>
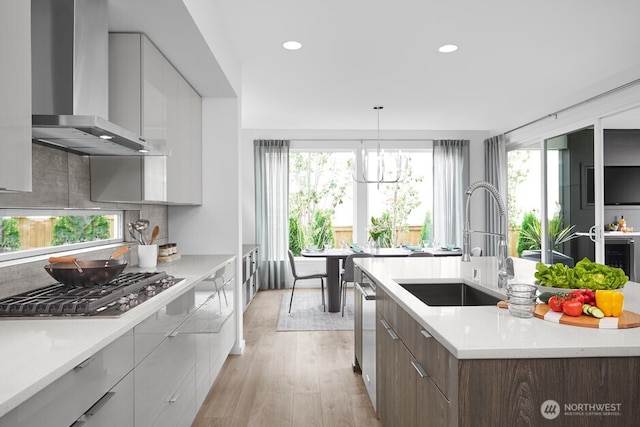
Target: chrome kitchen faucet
<point>505,265</point>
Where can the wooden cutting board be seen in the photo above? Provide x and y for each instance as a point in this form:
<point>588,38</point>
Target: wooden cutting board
<point>628,319</point>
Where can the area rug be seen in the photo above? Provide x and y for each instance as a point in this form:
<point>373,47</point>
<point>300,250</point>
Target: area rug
<point>307,315</point>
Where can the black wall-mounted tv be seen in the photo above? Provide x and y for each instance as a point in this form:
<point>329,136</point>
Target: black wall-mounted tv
<point>621,185</point>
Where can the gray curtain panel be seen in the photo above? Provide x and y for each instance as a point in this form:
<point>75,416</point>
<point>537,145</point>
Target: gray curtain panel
<point>450,180</point>
<point>271,158</point>
<point>495,171</point>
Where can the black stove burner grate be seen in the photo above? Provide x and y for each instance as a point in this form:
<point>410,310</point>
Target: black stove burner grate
<point>62,300</point>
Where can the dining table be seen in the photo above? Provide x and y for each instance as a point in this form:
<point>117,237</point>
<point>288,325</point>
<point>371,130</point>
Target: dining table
<point>443,251</point>
<point>333,256</point>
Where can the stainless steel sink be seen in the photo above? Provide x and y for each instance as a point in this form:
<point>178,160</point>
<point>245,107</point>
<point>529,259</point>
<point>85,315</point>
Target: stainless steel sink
<point>449,294</point>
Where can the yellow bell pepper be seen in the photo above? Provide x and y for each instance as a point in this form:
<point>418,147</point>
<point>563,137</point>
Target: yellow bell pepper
<point>610,302</point>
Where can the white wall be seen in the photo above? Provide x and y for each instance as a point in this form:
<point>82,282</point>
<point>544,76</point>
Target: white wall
<point>247,170</point>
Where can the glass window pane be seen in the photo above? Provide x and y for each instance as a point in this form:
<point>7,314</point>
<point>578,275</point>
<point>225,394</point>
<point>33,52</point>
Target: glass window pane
<point>320,199</point>
<point>408,203</point>
<point>31,232</point>
<point>524,195</point>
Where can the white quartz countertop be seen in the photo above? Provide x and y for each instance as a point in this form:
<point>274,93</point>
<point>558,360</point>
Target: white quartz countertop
<point>488,332</point>
<point>36,352</point>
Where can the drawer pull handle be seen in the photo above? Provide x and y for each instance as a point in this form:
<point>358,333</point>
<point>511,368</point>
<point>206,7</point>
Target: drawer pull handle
<point>426,334</point>
<point>363,289</point>
<point>174,398</point>
<point>174,333</point>
<point>100,403</point>
<point>390,330</point>
<point>418,367</point>
<point>85,363</point>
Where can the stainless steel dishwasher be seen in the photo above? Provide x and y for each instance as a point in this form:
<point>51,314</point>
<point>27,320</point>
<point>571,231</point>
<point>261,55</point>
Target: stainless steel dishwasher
<point>365,334</point>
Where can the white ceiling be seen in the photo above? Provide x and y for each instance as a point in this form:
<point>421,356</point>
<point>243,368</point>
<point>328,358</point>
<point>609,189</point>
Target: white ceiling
<point>517,61</point>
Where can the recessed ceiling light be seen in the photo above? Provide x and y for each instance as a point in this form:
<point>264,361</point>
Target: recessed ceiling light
<point>106,137</point>
<point>448,48</point>
<point>142,150</point>
<point>292,45</point>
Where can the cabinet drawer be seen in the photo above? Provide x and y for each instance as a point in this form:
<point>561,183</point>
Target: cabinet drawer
<point>159,375</point>
<point>179,409</point>
<point>64,401</point>
<point>152,331</point>
<point>437,361</point>
<point>115,408</point>
<point>433,409</point>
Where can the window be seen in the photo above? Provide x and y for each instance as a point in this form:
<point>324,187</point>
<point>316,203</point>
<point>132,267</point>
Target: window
<point>320,199</point>
<point>409,203</point>
<point>525,193</point>
<point>326,205</point>
<point>29,232</point>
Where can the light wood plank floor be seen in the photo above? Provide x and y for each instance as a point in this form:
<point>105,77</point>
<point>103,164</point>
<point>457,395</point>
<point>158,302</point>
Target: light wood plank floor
<point>287,378</point>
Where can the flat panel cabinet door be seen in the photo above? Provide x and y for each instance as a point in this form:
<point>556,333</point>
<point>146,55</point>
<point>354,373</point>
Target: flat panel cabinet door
<point>432,406</point>
<point>15,96</point>
<point>185,163</point>
<point>205,291</point>
<point>64,401</point>
<point>159,377</point>
<point>114,409</point>
<point>195,148</point>
<point>223,327</point>
<point>154,99</point>
<point>180,409</point>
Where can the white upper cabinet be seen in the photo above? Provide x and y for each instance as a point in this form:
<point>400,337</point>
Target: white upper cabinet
<point>185,163</point>
<point>15,95</point>
<point>148,96</point>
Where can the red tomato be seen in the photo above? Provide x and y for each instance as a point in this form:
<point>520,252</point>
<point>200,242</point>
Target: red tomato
<point>577,294</point>
<point>556,302</point>
<point>572,307</point>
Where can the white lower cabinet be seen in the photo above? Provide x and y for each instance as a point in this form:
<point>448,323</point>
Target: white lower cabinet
<point>161,372</point>
<point>214,325</point>
<point>157,374</point>
<point>115,408</point>
<point>180,409</point>
<point>68,398</point>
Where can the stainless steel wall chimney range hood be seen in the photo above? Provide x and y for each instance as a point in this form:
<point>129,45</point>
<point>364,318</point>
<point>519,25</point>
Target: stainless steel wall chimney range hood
<point>70,93</point>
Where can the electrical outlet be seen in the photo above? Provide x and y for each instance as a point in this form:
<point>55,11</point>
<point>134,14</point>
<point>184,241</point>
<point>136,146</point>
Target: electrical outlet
<point>475,275</point>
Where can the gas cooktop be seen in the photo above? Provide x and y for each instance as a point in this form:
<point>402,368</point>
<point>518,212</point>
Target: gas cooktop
<point>124,292</point>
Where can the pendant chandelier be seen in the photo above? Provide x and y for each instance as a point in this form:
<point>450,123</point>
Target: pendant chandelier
<point>379,161</point>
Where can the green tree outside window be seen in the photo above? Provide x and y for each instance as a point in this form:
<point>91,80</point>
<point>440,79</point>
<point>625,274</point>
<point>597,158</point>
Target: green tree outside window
<point>9,235</point>
<point>74,229</point>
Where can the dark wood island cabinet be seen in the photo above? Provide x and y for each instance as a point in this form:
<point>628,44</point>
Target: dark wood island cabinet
<point>420,383</point>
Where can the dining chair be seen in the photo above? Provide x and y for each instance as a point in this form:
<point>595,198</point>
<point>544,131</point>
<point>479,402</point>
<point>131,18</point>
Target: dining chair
<point>421,254</point>
<point>297,277</point>
<point>477,251</point>
<point>347,275</point>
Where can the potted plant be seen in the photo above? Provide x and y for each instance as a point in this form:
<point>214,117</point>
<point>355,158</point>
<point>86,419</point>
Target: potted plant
<point>380,231</point>
<point>531,234</point>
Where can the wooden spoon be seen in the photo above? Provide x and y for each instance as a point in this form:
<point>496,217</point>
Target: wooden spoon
<point>154,234</point>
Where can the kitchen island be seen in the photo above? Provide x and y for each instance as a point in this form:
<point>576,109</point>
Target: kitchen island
<point>479,365</point>
<point>40,352</point>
